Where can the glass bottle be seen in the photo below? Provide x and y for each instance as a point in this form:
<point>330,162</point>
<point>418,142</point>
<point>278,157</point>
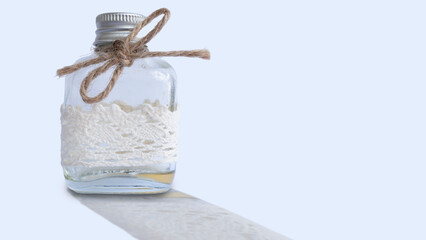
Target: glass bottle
<point>127,143</point>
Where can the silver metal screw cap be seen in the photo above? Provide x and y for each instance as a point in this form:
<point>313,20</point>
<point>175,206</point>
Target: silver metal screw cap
<point>115,25</point>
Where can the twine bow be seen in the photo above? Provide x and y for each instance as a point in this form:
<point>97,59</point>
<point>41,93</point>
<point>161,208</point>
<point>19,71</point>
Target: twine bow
<point>122,54</point>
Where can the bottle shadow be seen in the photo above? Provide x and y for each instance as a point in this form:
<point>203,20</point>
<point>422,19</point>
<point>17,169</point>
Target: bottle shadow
<point>173,215</point>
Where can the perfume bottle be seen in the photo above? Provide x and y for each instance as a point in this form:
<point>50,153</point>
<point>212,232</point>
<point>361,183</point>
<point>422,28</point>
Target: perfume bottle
<point>128,142</point>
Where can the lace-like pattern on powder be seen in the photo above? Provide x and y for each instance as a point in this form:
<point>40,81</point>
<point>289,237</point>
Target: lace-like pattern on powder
<point>118,135</point>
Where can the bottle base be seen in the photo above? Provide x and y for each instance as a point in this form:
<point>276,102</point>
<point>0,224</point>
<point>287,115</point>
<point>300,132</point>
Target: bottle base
<point>134,180</point>
<point>118,185</point>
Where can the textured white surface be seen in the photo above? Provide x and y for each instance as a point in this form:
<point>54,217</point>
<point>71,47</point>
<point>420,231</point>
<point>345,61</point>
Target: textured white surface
<point>175,216</point>
<point>118,135</point>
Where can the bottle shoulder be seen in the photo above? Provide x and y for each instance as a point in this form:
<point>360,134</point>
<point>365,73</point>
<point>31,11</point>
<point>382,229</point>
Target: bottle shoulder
<point>154,68</point>
<point>147,63</point>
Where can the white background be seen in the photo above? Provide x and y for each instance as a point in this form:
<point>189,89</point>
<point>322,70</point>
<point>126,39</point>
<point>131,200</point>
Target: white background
<point>309,118</point>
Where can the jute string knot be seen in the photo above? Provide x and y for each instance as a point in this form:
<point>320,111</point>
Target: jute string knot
<point>121,58</point>
<point>123,53</point>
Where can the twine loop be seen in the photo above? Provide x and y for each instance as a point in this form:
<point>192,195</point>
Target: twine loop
<point>123,53</point>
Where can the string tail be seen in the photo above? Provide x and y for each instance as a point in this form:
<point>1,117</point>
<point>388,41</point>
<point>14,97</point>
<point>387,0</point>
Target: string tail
<point>201,53</point>
<point>70,69</point>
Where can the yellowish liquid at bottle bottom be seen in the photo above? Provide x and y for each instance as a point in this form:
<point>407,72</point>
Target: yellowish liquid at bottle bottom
<point>166,178</point>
